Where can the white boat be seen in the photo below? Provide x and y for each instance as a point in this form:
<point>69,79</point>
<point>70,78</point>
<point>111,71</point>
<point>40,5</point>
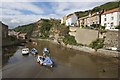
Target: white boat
<point>25,51</point>
<point>45,62</point>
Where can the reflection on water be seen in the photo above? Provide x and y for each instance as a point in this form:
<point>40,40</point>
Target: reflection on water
<point>7,52</point>
<point>68,63</point>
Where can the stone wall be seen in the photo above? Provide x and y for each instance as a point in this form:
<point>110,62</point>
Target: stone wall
<point>73,30</point>
<point>0,36</point>
<point>86,36</point>
<point>4,30</point>
<point>111,40</point>
<point>119,40</point>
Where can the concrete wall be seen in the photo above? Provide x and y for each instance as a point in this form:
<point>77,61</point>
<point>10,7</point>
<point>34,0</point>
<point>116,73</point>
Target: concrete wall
<point>112,39</point>
<point>86,36</point>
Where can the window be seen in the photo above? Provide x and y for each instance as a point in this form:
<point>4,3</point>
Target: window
<point>104,24</point>
<point>112,24</point>
<point>105,19</point>
<point>112,18</point>
<point>96,22</point>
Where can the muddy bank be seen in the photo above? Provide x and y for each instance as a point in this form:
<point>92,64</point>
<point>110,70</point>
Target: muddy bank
<point>99,52</point>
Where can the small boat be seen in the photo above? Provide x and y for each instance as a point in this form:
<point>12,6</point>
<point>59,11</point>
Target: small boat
<point>34,51</point>
<point>45,61</point>
<point>25,51</point>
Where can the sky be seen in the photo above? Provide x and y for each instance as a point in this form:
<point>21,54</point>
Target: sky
<point>17,12</point>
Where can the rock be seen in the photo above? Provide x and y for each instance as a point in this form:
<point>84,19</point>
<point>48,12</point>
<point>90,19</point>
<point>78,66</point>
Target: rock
<point>104,70</point>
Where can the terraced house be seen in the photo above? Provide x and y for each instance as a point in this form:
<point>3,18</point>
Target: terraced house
<point>70,20</point>
<point>94,18</point>
<point>91,19</point>
<point>83,21</point>
<point>111,19</point>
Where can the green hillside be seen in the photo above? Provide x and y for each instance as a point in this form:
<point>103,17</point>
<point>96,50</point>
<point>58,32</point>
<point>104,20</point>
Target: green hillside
<point>106,6</point>
<point>26,28</point>
<point>82,13</point>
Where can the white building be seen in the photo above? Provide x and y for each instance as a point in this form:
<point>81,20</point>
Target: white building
<point>72,20</point>
<point>110,19</point>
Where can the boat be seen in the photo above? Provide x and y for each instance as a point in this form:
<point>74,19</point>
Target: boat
<point>25,51</point>
<point>34,51</point>
<point>45,61</point>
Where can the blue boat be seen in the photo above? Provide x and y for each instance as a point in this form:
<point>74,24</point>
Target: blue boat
<point>34,51</point>
<point>45,61</point>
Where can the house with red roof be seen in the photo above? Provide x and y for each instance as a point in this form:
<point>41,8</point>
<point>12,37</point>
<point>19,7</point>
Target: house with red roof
<point>111,18</point>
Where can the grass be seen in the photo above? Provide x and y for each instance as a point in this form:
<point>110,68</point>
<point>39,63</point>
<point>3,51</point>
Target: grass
<point>97,44</point>
<point>69,40</point>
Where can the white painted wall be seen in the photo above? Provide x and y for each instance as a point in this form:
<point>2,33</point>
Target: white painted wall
<point>109,20</point>
<point>72,20</point>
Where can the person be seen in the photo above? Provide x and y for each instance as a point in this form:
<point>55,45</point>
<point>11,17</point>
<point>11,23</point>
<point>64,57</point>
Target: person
<point>46,52</point>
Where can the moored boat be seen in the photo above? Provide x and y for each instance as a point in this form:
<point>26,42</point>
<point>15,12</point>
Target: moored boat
<point>25,51</point>
<point>47,61</point>
<point>34,51</point>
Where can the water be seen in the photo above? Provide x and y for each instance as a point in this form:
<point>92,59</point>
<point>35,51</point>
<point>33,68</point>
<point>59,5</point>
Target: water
<point>69,63</point>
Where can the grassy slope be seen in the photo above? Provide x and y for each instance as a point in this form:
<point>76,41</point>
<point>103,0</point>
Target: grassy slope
<point>26,28</point>
<point>106,6</point>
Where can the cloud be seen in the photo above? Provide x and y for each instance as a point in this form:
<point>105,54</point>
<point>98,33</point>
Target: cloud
<point>57,0</point>
<point>9,12</point>
<point>17,20</point>
<point>65,8</point>
<point>22,6</point>
<point>15,13</point>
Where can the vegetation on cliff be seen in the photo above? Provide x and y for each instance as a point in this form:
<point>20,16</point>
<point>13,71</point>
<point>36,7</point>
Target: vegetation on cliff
<point>106,6</point>
<point>97,44</point>
<point>69,40</point>
<point>117,27</point>
<point>26,28</point>
<point>45,28</point>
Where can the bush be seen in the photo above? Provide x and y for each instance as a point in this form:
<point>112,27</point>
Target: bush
<point>95,25</point>
<point>82,26</point>
<point>102,27</point>
<point>45,28</point>
<point>64,30</point>
<point>69,40</point>
<point>117,27</point>
<point>26,28</point>
<point>98,43</point>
